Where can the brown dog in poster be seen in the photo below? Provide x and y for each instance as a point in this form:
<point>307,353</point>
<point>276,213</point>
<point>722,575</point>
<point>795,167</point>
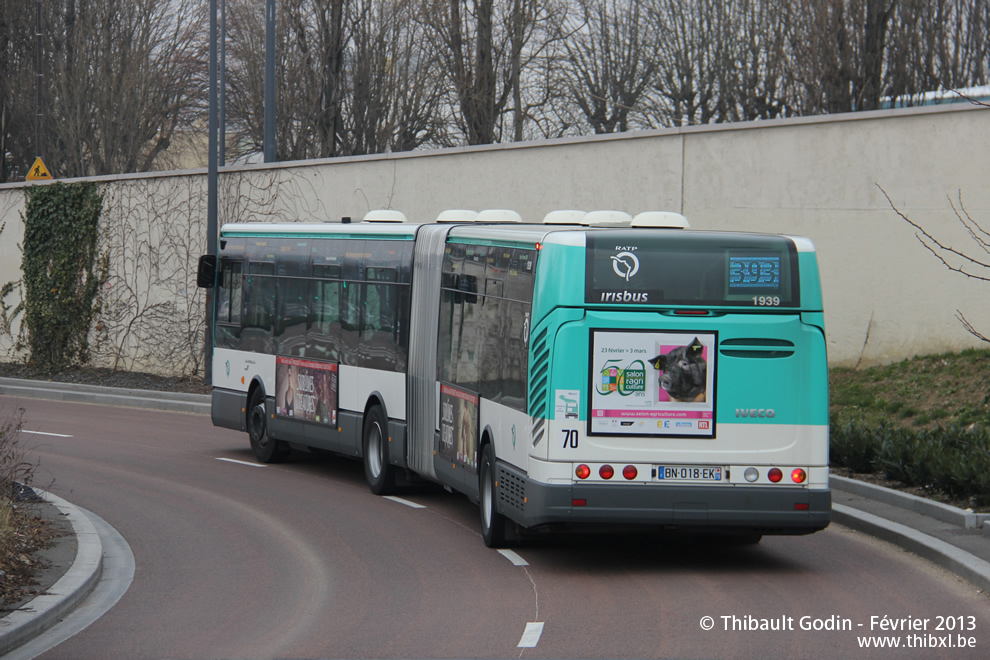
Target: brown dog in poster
<point>684,372</point>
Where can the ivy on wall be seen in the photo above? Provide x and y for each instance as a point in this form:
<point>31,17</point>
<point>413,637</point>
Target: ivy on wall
<point>62,272</point>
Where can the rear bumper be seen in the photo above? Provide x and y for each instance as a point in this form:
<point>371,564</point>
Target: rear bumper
<point>725,508</point>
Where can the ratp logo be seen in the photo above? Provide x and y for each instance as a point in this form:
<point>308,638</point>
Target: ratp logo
<point>625,265</point>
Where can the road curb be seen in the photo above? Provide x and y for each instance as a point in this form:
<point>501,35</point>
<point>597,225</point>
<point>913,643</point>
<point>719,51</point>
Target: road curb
<point>76,393</point>
<point>44,611</point>
<point>930,508</point>
<point>960,562</point>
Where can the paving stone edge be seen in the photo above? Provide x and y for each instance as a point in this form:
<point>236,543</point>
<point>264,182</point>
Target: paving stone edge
<point>44,611</point>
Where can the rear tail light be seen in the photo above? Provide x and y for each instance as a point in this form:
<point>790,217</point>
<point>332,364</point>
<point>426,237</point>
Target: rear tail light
<point>583,471</point>
<point>606,472</point>
<point>775,475</point>
<point>798,476</point>
<point>630,472</point>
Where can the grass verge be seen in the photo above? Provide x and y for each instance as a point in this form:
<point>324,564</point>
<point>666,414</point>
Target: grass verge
<point>923,422</point>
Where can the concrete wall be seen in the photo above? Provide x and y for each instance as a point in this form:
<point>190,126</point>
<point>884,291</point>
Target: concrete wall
<point>886,296</point>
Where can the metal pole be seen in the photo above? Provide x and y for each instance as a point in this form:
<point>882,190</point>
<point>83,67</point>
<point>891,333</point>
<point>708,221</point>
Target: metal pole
<point>38,77</point>
<point>269,81</point>
<point>222,151</point>
<point>211,198</point>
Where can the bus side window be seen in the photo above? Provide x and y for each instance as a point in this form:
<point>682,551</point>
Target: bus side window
<point>326,306</point>
<point>324,336</point>
<point>229,297</point>
<point>293,316</point>
<point>462,334</point>
<point>515,353</point>
<point>350,306</point>
<point>446,335</point>
<point>519,279</point>
<point>259,308</point>
<point>490,333</point>
<point>372,312</point>
<point>229,293</point>
<point>379,304</point>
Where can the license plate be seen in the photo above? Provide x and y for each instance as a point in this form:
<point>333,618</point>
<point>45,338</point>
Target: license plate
<point>688,473</point>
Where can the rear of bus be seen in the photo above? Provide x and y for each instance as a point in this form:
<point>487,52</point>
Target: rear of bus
<point>678,380</point>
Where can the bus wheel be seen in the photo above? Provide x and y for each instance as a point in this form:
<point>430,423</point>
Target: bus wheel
<point>377,471</point>
<point>266,449</point>
<point>745,539</point>
<point>492,522</point>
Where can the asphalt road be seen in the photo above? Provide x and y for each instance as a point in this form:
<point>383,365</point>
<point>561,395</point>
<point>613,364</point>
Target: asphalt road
<point>302,561</point>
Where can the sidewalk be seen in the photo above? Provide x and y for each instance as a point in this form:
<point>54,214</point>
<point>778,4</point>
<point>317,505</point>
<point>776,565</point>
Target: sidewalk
<point>957,540</point>
<point>106,396</point>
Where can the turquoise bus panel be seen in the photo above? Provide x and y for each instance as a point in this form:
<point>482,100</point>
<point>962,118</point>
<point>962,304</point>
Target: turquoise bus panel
<point>763,362</point>
<point>811,286</point>
<point>559,280</point>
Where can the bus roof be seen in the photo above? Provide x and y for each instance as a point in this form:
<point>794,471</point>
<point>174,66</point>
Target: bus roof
<point>573,235</point>
<point>294,229</point>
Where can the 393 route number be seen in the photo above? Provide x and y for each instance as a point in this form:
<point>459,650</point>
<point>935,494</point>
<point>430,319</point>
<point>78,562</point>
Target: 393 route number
<point>766,301</point>
<point>570,438</point>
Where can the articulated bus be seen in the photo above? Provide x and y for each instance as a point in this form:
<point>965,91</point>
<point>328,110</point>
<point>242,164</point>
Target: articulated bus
<point>588,371</point>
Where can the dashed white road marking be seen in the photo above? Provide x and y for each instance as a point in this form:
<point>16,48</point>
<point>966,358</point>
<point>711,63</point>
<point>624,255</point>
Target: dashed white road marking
<point>513,557</point>
<point>54,435</point>
<point>531,636</point>
<point>231,460</point>
<point>406,502</point>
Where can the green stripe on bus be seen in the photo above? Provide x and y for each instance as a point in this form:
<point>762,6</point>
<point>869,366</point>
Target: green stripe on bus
<point>329,235</point>
<point>490,243</point>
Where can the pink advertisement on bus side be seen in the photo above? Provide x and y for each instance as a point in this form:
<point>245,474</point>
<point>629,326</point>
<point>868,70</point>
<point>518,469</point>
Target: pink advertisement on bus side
<point>306,390</point>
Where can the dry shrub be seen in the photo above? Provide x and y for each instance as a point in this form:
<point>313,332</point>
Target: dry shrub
<point>15,470</point>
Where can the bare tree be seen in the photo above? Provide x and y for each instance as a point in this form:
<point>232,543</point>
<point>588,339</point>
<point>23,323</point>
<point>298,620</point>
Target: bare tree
<point>354,77</point>
<point>611,61</point>
<point>17,89</point>
<point>395,88</point>
<point>973,263</point>
<point>761,86</point>
<point>696,61</point>
<point>839,48</point>
<point>933,46</point>
<point>123,77</point>
<point>464,34</point>
<point>486,48</point>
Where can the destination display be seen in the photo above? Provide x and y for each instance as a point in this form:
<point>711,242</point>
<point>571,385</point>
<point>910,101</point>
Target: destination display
<point>753,273</point>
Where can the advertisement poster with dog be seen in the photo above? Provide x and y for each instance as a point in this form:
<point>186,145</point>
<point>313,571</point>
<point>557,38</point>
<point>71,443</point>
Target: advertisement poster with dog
<point>653,383</point>
<point>306,390</point>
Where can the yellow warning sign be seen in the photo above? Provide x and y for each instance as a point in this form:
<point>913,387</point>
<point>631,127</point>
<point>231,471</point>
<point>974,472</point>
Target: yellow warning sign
<point>38,171</point>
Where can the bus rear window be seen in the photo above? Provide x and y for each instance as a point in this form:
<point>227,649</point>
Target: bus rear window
<point>690,268</point>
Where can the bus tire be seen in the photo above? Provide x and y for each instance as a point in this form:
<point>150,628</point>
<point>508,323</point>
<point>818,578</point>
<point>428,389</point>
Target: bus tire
<point>493,523</point>
<point>379,474</point>
<point>265,448</point>
<point>745,539</point>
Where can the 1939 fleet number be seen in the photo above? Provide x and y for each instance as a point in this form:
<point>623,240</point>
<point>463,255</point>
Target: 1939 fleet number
<point>766,301</point>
